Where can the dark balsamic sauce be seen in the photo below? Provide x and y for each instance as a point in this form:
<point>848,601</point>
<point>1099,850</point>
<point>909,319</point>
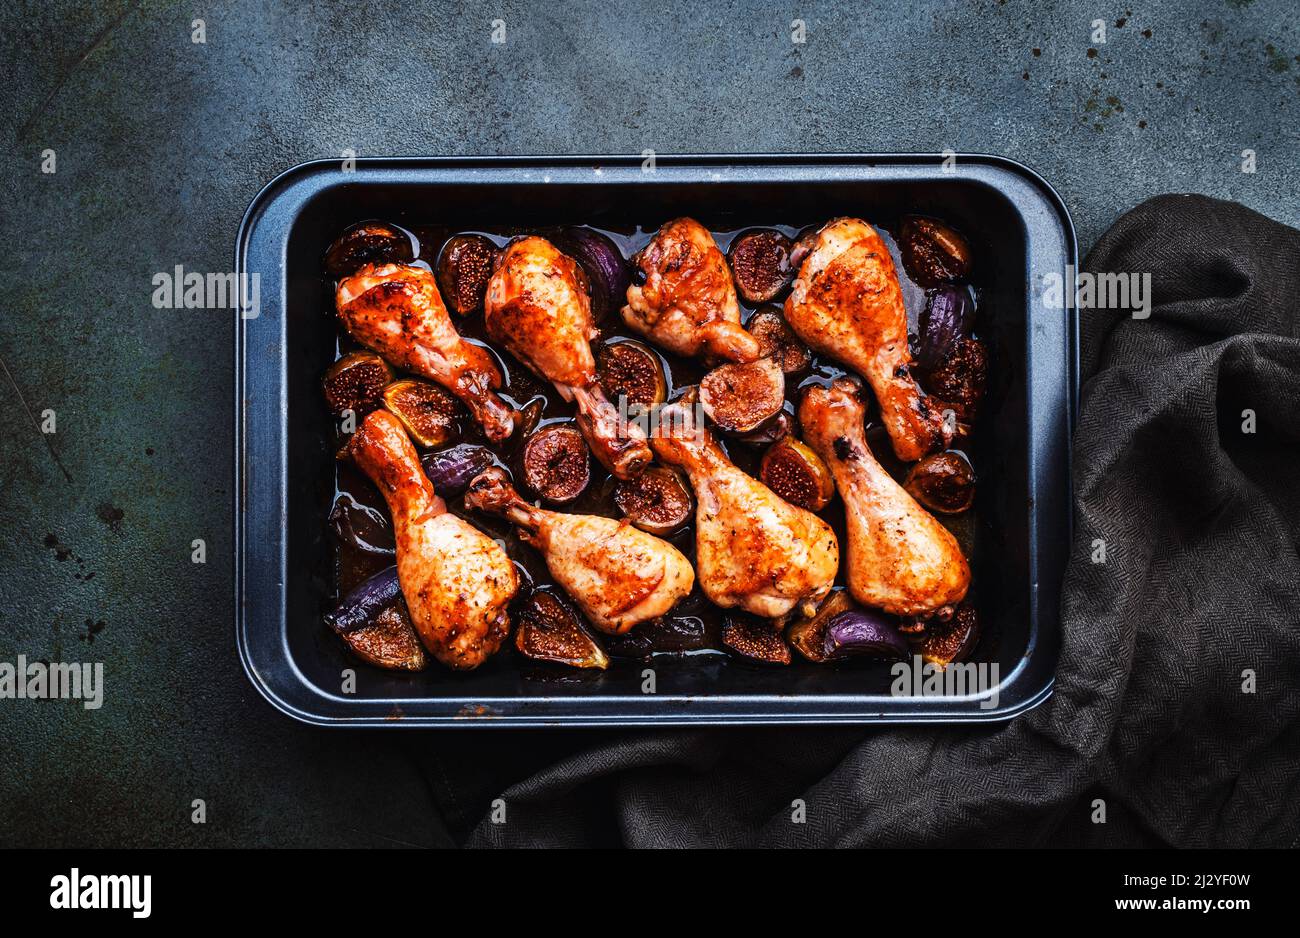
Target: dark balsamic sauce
<point>359,516</point>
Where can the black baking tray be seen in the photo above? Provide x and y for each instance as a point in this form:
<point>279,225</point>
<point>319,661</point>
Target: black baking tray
<point>284,458</point>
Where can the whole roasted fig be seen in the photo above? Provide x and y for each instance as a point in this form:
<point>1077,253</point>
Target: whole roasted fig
<point>933,253</point>
<point>370,242</point>
<point>944,482</point>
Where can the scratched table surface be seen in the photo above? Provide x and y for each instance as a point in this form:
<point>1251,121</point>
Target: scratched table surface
<point>157,142</point>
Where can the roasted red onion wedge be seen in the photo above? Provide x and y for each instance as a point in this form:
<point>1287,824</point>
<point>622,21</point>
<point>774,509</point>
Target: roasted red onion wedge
<point>451,469</point>
<point>360,606</point>
<point>949,316</point>
<point>863,633</point>
<point>604,265</point>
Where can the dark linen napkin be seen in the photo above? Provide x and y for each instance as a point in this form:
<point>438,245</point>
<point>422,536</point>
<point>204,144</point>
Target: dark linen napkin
<point>1178,691</point>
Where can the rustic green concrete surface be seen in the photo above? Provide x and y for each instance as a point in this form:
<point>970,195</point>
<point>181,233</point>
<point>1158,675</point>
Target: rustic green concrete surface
<point>159,145</point>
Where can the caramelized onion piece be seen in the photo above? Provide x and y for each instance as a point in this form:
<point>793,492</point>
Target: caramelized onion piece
<point>430,414</point>
<point>755,640</point>
<point>777,339</point>
<point>944,482</point>
<point>760,262</point>
<point>657,501</point>
<point>549,630</point>
<point>797,474</point>
<point>933,253</point>
<point>740,398</point>
<point>356,382</point>
<point>370,242</point>
<point>629,368</point>
<point>556,464</point>
<point>464,268</point>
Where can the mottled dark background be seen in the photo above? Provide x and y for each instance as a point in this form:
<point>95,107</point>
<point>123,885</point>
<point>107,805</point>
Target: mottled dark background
<point>160,145</point>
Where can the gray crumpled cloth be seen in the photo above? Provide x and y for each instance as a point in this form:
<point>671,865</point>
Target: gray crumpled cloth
<point>1151,713</point>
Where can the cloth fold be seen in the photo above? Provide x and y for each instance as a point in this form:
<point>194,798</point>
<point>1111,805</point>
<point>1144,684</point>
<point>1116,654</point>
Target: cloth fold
<point>1177,696</point>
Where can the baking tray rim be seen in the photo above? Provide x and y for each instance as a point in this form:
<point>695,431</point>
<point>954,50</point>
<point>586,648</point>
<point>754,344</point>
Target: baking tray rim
<point>673,713</point>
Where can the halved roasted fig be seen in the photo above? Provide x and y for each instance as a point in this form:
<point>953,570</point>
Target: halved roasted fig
<point>464,268</point>
<point>556,463</point>
<point>370,242</point>
<point>863,633</point>
<point>451,469</point>
<point>431,415</point>
<point>808,636</point>
<point>953,640</point>
<point>740,398</point>
<point>389,641</point>
<point>797,474</point>
<point>373,620</point>
<point>958,382</point>
<point>755,640</point>
<point>356,382</point>
<point>548,630</point>
<point>944,482</point>
<point>777,340</point>
<point>657,501</point>
<point>933,253</point>
<point>760,262</point>
<point>627,368</point>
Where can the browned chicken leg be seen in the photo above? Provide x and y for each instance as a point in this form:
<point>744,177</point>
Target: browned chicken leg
<point>457,581</point>
<point>900,559</point>
<point>846,303</point>
<point>397,311</point>
<point>618,574</point>
<point>536,307</point>
<point>687,302</point>
<point>753,549</point>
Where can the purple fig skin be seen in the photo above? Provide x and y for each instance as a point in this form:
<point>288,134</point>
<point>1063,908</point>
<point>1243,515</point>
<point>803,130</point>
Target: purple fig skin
<point>949,315</point>
<point>863,633</point>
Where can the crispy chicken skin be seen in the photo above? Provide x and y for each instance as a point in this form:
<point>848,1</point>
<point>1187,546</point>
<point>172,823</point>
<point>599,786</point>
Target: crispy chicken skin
<point>753,549</point>
<point>846,303</point>
<point>457,581</point>
<point>618,574</point>
<point>900,559</point>
<point>537,308</point>
<point>397,311</point>
<point>687,303</point>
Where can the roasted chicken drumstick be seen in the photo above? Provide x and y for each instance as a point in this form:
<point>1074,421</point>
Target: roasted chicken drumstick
<point>687,302</point>
<point>900,559</point>
<point>618,574</point>
<point>397,311</point>
<point>846,303</point>
<point>456,580</point>
<point>753,549</point>
<point>537,308</point>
